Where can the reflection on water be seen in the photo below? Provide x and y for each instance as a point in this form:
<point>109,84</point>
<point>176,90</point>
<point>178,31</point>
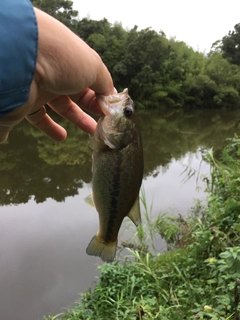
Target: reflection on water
<point>45,225</point>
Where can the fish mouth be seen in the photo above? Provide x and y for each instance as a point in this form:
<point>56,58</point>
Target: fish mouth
<point>110,104</point>
<point>106,104</point>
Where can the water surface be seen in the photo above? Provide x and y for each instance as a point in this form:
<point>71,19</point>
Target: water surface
<point>45,225</point>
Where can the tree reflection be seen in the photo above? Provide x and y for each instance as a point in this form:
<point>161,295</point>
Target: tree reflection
<point>172,134</point>
<point>34,166</point>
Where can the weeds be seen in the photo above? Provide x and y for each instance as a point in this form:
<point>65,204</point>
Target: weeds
<point>198,277</point>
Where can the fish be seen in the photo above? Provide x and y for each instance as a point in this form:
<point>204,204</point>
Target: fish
<point>117,172</point>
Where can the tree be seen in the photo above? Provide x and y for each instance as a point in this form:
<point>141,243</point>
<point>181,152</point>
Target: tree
<point>60,9</point>
<point>217,85</point>
<point>141,64</point>
<point>231,45</point>
<point>86,27</point>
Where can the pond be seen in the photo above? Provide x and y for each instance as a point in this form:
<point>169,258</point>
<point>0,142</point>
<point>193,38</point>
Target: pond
<point>45,225</point>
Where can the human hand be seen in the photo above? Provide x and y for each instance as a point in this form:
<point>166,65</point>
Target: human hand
<point>69,75</point>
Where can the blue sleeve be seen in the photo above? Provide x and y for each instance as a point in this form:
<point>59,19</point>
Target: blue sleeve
<point>18,53</point>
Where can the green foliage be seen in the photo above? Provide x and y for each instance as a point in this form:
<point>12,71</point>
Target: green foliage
<point>230,45</point>
<point>216,86</point>
<point>59,9</point>
<point>162,72</point>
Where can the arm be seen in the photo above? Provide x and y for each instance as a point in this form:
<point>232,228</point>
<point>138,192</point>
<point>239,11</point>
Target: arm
<point>68,74</point>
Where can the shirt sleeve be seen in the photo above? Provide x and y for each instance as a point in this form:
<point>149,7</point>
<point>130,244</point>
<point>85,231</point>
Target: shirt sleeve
<point>18,53</point>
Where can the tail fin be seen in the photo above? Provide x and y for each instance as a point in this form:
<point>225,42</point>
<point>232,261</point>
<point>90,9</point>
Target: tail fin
<point>105,251</point>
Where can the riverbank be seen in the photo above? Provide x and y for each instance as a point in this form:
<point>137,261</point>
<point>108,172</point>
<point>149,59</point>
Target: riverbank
<point>197,278</point>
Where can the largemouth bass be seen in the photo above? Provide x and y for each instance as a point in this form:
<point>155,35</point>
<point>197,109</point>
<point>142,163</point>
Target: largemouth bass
<point>117,172</point>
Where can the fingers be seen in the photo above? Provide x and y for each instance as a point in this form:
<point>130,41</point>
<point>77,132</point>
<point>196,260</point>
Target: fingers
<point>68,109</point>
<point>65,107</point>
<point>41,120</point>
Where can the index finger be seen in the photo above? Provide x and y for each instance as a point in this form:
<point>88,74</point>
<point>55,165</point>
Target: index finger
<point>87,100</point>
<point>68,109</point>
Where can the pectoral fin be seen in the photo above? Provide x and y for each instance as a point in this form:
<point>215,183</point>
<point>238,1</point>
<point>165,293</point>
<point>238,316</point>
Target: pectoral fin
<point>89,200</point>
<point>134,213</point>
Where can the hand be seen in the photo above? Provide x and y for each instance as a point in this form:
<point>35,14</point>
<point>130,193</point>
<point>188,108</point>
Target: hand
<point>69,75</point>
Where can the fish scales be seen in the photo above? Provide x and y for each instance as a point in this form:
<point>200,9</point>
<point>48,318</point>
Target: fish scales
<point>117,175</point>
<point>118,180</point>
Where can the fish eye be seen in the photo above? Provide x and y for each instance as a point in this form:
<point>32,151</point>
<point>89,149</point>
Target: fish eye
<point>128,111</point>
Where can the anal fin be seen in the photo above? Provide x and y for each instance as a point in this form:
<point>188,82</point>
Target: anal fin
<point>135,214</point>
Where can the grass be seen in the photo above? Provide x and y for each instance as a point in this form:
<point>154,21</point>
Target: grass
<point>198,277</point>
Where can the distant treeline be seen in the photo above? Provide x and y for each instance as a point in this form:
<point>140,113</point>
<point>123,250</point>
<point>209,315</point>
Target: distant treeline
<point>159,72</point>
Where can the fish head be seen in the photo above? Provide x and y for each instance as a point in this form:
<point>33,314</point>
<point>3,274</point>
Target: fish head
<point>115,129</point>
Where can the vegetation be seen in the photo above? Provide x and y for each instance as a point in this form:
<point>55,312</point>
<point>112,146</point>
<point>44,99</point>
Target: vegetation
<point>59,9</point>
<point>159,71</point>
<point>230,45</point>
<point>197,278</point>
